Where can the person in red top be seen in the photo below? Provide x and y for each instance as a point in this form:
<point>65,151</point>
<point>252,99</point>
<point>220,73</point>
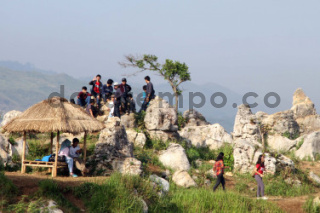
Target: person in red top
<point>260,169</point>
<point>96,90</point>
<point>219,169</point>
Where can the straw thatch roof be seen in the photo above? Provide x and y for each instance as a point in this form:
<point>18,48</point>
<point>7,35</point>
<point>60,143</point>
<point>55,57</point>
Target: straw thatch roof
<point>52,115</point>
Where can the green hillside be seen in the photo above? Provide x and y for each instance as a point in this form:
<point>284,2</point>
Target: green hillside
<point>19,89</point>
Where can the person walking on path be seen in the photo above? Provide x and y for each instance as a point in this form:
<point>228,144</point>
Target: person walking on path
<point>219,169</point>
<point>260,169</point>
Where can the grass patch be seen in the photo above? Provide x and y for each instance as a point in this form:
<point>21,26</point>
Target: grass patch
<point>8,191</point>
<point>51,190</point>
<point>310,206</point>
<point>121,194</point>
<point>202,200</point>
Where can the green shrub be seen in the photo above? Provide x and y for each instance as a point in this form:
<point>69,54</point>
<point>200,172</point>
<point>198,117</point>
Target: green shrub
<point>300,143</point>
<point>181,121</point>
<point>37,149</point>
<point>291,136</point>
<point>7,189</point>
<point>139,118</point>
<point>12,141</point>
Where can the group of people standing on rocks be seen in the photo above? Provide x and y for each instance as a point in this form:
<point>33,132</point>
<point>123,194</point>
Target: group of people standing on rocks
<point>117,97</point>
<point>219,167</point>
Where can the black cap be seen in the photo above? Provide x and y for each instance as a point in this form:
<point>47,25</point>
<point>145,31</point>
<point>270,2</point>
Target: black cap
<point>124,79</point>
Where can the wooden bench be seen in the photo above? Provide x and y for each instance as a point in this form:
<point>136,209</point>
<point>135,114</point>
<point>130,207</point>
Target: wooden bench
<point>44,164</point>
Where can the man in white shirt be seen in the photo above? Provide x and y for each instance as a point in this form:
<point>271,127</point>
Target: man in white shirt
<point>74,152</point>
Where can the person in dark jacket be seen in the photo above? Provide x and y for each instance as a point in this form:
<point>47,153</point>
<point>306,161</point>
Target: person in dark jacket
<point>96,90</point>
<point>125,89</point>
<point>107,90</point>
<point>150,91</point>
<point>117,100</point>
<point>132,104</point>
<point>83,97</point>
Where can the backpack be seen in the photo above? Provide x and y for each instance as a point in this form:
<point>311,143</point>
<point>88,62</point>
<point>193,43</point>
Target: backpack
<point>60,158</point>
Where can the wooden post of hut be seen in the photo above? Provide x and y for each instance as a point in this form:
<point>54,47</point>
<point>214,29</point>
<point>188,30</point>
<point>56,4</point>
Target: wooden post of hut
<point>55,166</point>
<point>51,142</point>
<point>23,167</point>
<point>85,147</point>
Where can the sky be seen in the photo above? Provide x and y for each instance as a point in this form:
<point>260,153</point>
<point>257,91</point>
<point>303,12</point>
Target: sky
<point>245,45</point>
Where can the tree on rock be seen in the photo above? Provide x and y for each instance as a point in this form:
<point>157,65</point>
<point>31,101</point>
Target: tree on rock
<point>173,71</point>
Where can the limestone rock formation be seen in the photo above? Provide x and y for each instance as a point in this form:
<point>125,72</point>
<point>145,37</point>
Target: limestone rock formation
<point>194,118</point>
<point>9,116</point>
<point>138,139</point>
<point>130,166</point>
<point>245,126</point>
<point>128,121</point>
<point>162,183</point>
<point>5,150</point>
<point>182,178</point>
<point>280,143</point>
<point>175,157</point>
<point>302,106</point>
<point>310,147</point>
<point>113,145</point>
<point>212,136</point>
<point>161,120</point>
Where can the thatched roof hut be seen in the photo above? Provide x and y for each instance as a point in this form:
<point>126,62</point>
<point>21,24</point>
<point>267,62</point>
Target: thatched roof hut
<point>53,115</point>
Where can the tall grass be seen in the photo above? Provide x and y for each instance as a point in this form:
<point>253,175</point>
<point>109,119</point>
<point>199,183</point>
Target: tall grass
<point>310,206</point>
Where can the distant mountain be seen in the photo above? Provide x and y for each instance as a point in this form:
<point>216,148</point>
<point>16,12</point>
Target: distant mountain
<point>27,67</point>
<point>22,85</point>
<point>21,89</point>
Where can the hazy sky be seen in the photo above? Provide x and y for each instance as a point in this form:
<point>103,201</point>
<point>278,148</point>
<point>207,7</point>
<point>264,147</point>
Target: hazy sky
<point>247,45</point>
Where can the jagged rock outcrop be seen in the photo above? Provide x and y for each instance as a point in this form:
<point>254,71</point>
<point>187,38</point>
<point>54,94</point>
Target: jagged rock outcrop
<point>310,147</point>
<point>113,145</point>
<point>194,118</point>
<point>175,157</point>
<point>161,120</point>
<point>213,136</point>
<point>5,150</point>
<point>9,116</point>
<point>182,178</point>
<point>245,126</point>
<point>302,106</point>
<point>137,138</point>
<point>314,177</point>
